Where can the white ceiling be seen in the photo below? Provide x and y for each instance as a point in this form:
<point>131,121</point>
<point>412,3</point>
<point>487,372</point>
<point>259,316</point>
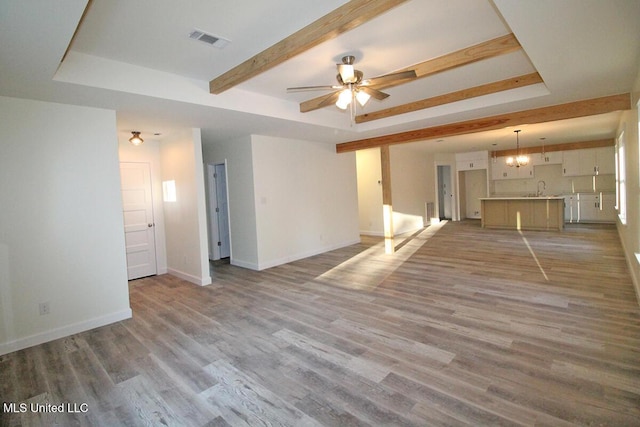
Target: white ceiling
<point>136,58</point>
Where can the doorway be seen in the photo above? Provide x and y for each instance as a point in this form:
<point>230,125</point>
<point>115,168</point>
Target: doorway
<point>220,241</point>
<point>444,192</point>
<point>139,224</point>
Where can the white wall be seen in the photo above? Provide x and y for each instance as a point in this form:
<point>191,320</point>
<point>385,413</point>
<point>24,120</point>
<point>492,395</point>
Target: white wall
<point>61,229</point>
<point>630,232</point>
<point>288,199</point>
<point>185,219</point>
<point>305,197</point>
<point>242,213</point>
<point>412,185</point>
<point>149,152</point>
<point>369,192</point>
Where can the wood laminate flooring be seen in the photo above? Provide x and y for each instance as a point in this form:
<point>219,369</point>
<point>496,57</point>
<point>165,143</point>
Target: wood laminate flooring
<point>462,326</point>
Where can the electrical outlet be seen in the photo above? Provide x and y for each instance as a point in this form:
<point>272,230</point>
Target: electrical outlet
<point>44,308</point>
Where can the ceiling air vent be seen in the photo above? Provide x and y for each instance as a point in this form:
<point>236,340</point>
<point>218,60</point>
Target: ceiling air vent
<point>210,39</point>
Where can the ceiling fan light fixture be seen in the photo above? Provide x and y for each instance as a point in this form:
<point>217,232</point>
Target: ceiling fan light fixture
<point>135,139</point>
<point>344,99</point>
<point>362,97</point>
<point>347,73</point>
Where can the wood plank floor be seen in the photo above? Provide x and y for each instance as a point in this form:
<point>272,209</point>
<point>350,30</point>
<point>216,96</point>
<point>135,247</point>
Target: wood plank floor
<point>462,326</point>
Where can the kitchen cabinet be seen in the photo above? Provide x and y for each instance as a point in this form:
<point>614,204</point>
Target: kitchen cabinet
<point>522,213</point>
<point>608,211</point>
<point>500,170</point>
<point>596,207</point>
<point>589,205</point>
<point>590,161</point>
<point>549,158</point>
<point>472,160</point>
<point>571,208</point>
<point>605,160</point>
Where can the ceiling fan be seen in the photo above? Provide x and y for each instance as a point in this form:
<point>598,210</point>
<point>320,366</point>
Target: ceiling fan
<point>352,86</point>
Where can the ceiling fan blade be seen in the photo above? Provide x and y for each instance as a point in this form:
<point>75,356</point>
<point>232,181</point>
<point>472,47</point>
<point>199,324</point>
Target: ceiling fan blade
<point>319,102</point>
<point>390,79</point>
<point>305,88</point>
<point>374,93</point>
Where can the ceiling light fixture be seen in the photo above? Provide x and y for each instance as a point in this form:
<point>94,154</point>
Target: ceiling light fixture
<point>135,139</point>
<point>346,69</point>
<point>362,97</point>
<point>520,159</point>
<point>344,99</point>
<point>353,87</point>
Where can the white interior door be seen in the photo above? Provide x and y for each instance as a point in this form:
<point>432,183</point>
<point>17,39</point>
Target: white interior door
<point>139,227</point>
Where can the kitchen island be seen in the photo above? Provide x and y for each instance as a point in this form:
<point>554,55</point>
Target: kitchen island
<point>523,213</point>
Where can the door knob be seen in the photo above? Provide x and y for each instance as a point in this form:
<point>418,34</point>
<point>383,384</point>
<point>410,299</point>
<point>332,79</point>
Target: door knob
<point>150,225</point>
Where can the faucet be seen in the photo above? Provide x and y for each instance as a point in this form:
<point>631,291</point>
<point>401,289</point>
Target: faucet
<point>544,187</point>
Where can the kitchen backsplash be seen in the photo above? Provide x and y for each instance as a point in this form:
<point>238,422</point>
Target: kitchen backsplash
<point>555,183</point>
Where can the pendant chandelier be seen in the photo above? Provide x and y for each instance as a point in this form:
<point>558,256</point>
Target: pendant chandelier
<point>519,159</point>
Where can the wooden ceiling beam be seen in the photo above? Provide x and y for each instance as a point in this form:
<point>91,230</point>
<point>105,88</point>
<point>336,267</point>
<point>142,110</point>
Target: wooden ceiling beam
<point>343,19</point>
<point>567,146</point>
<point>485,50</point>
<point>570,110</point>
<point>468,55</point>
<point>486,89</point>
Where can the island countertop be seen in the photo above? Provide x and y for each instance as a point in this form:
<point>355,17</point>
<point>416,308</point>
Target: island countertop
<point>524,198</point>
<point>523,213</point>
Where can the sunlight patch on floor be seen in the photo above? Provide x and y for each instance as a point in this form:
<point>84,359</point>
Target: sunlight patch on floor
<point>533,254</point>
<point>369,268</point>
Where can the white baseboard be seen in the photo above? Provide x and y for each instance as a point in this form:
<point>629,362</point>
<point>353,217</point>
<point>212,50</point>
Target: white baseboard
<point>244,264</point>
<point>200,281</point>
<point>371,233</point>
<point>296,257</point>
<point>395,232</point>
<point>63,331</point>
<point>631,260</point>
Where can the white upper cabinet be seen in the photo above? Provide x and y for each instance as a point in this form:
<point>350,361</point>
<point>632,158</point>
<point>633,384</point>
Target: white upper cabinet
<point>548,158</point>
<point>578,162</point>
<point>472,160</point>
<point>500,170</point>
<point>605,160</point>
<point>590,161</point>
